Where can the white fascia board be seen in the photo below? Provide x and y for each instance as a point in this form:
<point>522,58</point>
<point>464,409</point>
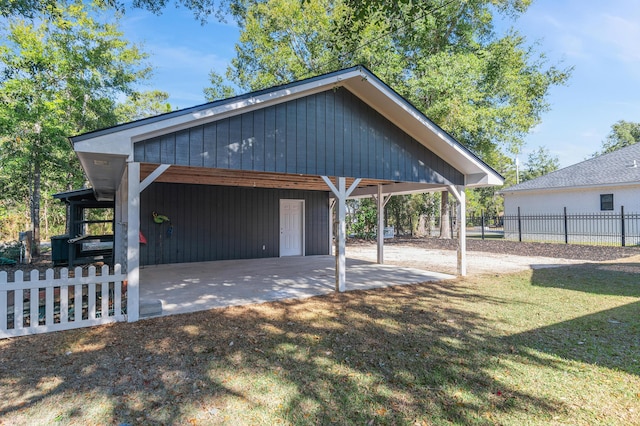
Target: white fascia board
<point>118,143</point>
<point>570,188</point>
<point>482,179</point>
<point>121,142</point>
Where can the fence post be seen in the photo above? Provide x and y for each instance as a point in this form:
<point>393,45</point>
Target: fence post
<point>519,226</point>
<point>566,231</point>
<point>482,222</point>
<point>622,223</point>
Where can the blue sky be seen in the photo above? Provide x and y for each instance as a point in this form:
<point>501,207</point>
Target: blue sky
<point>601,39</point>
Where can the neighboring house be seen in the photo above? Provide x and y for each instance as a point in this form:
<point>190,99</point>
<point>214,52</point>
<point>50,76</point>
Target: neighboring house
<point>258,175</point>
<point>591,194</point>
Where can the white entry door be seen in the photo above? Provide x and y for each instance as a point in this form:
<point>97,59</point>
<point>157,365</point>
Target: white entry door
<point>291,227</point>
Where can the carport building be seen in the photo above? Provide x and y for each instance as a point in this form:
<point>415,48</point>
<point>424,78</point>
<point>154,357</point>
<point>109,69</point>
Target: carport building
<point>258,175</point>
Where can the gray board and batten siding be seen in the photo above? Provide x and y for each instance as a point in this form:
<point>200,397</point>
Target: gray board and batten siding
<point>218,223</point>
<point>331,133</point>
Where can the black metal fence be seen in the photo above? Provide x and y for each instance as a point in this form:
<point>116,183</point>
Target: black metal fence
<point>604,228</point>
<point>484,220</point>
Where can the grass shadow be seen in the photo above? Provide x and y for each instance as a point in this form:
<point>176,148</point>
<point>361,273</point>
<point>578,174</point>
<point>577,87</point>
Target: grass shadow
<point>617,279</point>
<point>394,355</point>
<point>609,337</point>
<point>415,354</point>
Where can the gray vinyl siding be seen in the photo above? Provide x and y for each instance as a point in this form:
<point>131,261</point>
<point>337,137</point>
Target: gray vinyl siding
<point>331,133</point>
<point>217,223</point>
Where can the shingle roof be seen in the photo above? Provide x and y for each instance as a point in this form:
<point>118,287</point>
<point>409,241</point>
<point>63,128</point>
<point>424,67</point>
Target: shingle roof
<point>618,167</point>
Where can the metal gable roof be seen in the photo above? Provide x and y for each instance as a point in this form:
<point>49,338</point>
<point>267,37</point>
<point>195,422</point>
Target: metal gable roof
<point>203,107</point>
<point>620,167</point>
<point>116,143</point>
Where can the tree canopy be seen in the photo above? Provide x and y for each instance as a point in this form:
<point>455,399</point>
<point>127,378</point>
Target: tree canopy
<point>623,134</point>
<point>62,74</point>
<point>142,105</point>
<point>540,162</point>
<point>487,91</point>
<point>202,9</point>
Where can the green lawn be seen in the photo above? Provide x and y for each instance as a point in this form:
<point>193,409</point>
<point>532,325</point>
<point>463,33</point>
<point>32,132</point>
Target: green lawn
<point>553,346</point>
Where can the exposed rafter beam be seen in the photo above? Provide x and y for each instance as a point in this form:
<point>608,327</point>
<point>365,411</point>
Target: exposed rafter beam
<point>397,189</point>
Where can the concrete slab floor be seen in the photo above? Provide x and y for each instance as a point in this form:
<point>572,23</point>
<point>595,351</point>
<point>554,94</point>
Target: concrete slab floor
<point>190,287</point>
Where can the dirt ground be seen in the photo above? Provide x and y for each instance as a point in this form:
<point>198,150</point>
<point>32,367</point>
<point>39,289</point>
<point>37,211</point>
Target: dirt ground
<point>432,254</point>
<point>487,256</point>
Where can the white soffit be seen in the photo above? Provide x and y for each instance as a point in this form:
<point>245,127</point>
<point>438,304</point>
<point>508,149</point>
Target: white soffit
<point>104,171</point>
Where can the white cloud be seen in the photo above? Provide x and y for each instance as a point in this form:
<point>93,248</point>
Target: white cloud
<point>536,129</point>
<point>622,35</point>
<point>559,29</point>
<point>590,134</point>
<point>553,22</point>
<point>573,46</point>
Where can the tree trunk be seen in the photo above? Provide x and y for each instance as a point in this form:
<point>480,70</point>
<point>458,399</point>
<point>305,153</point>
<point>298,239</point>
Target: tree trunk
<point>445,224</point>
<point>422,226</point>
<point>46,219</point>
<point>411,225</point>
<point>35,209</point>
<point>398,220</point>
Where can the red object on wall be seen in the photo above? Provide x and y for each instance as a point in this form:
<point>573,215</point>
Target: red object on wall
<point>143,240</point>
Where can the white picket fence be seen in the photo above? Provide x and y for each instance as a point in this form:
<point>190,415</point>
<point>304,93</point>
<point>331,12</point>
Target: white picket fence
<point>40,306</point>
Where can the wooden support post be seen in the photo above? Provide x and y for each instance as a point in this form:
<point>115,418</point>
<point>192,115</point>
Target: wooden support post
<point>380,208</point>
<point>332,205</point>
<point>381,203</point>
<point>342,193</point>
<point>120,217</point>
<point>460,196</point>
<point>462,234</point>
<point>133,241</point>
<point>342,237</point>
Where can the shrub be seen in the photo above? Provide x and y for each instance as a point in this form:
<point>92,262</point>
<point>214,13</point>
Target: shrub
<point>11,250</point>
